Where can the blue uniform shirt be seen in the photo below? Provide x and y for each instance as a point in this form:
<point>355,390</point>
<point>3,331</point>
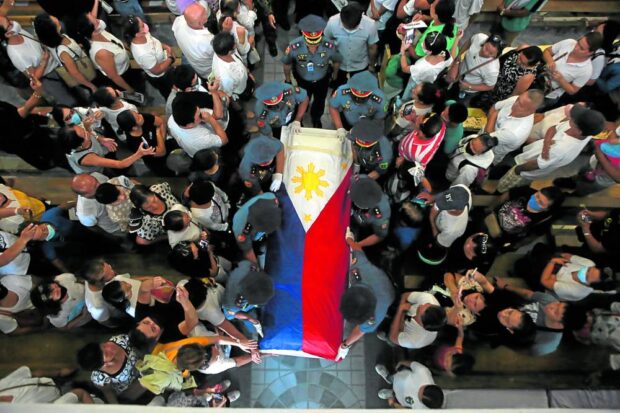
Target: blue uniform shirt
<point>244,241</point>
<point>281,114</point>
<point>230,305</point>
<point>379,283</point>
<point>310,66</point>
<point>374,106</point>
<point>375,158</point>
<point>378,218</point>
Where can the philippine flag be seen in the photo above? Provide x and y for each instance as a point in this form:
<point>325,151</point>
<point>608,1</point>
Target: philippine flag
<point>308,257</point>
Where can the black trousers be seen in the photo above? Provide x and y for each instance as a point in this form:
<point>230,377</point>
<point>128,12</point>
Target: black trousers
<point>343,77</point>
<point>268,31</point>
<point>163,83</point>
<point>318,90</point>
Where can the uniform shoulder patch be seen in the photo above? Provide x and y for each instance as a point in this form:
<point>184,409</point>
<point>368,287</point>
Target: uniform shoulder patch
<point>346,91</point>
<point>329,45</point>
<point>297,89</point>
<point>384,165</point>
<point>241,238</point>
<point>288,92</point>
<point>376,98</point>
<point>295,45</point>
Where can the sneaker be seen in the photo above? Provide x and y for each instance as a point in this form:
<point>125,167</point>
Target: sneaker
<point>383,372</point>
<point>221,387</point>
<point>385,394</point>
<point>233,396</point>
<point>381,335</point>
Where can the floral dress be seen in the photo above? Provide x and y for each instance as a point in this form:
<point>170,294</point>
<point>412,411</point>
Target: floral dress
<point>509,74</point>
<point>126,375</point>
<point>148,226</point>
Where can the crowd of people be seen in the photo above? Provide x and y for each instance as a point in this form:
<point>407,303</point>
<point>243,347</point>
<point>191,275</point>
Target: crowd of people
<point>395,79</point>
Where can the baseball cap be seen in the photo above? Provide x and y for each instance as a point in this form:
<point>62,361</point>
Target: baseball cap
<point>456,197</point>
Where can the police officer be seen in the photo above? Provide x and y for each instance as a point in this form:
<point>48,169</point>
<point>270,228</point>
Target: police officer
<point>367,300</point>
<point>360,97</point>
<point>370,213</point>
<point>309,56</point>
<point>258,169</point>
<point>372,151</point>
<point>247,288</point>
<point>279,104</point>
<point>257,218</point>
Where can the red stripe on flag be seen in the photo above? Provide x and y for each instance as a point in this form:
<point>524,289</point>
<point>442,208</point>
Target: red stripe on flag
<point>325,270</point>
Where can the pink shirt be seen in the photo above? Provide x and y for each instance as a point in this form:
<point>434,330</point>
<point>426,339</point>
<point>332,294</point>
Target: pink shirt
<point>415,149</point>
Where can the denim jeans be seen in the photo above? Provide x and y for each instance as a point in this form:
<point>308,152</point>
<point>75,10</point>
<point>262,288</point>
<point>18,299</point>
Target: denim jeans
<point>129,7</point>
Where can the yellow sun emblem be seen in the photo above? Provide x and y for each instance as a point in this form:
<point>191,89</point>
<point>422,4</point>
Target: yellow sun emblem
<point>309,181</point>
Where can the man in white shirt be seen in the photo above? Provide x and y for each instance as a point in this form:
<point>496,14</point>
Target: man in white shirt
<point>194,39</point>
<point>194,128</point>
<point>464,10</point>
<point>413,387</point>
<point>34,60</point>
<point>562,144</point>
<point>14,258</point>
<point>511,121</point>
<point>89,211</point>
<point>478,50</point>
<point>573,67</point>
<point>418,319</point>
<point>228,66</point>
<point>449,214</point>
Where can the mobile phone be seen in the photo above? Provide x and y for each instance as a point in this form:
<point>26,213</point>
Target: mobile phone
<point>409,36</point>
<point>146,144</point>
<point>408,109</point>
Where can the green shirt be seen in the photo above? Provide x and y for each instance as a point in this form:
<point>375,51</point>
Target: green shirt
<point>437,28</point>
<point>518,24</point>
<point>453,135</point>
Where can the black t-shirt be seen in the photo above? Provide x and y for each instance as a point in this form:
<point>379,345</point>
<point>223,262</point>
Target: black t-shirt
<point>64,8</point>
<point>168,317</point>
<point>458,262</point>
<point>513,216</point>
<point>607,231</point>
<point>149,133</point>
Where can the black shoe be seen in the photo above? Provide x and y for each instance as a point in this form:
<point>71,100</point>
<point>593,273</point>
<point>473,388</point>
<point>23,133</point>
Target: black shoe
<point>273,49</point>
<point>566,183</point>
<point>317,124</point>
<point>284,24</point>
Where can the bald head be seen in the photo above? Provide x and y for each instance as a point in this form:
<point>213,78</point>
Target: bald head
<point>84,185</point>
<point>196,16</point>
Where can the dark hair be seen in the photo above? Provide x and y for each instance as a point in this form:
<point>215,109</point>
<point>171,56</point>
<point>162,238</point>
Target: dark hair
<point>103,98</point>
<point>182,76</point>
<point>131,27</point>
<point>610,34</point>
<point>486,249</point>
<point>526,330</point>
<point>432,395</point>
<point>113,293</point>
<point>462,363</point>
<point>497,42</point>
<point>436,43</point>
<point>411,213</point>
<point>574,317</point>
<point>533,54</point>
<point>3,292</point>
<point>201,192</point>
<point>257,288</point>
<point>351,15</point>
<point>173,221</point>
<point>182,259</point>
<point>431,125</point>
<point>3,33</point>
<point>431,94</point>
<point>126,120</point>
<point>488,141</point>
<point>57,114</point>
<point>204,159</point>
<point>445,10</point>
<point>555,195</point>
<point>223,43</point>
<point>183,109</point>
<point>229,7</point>
<point>457,112</point>
<point>594,40</point>
<point>434,318</point>
<point>358,304</point>
<point>68,138</point>
<point>192,356</point>
<point>139,195</point>
<point>140,341</point>
<point>90,269</point>
<point>90,357</point>
<point>40,297</point>
<point>46,31</point>
<point>197,291</point>
<point>107,193</point>
<point>85,29</point>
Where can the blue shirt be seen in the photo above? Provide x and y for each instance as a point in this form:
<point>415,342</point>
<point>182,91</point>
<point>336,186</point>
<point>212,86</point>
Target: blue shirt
<point>373,107</point>
<point>244,241</point>
<point>63,226</point>
<point>353,47</point>
<point>310,66</point>
<point>281,114</point>
<point>378,218</point>
<point>375,158</point>
<point>230,304</point>
<point>379,283</point>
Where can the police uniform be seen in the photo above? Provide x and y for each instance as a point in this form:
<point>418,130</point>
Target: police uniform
<point>359,97</point>
<point>254,170</point>
<point>276,105</point>
<point>373,151</point>
<point>363,272</point>
<point>311,70</point>
<point>243,229</point>
<point>233,302</point>
<point>370,208</point>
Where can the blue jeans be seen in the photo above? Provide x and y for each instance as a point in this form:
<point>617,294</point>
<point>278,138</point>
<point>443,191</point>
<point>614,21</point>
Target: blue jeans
<point>129,7</point>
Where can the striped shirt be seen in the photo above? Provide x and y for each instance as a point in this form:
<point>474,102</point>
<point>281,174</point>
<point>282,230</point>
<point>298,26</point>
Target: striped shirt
<point>415,149</point>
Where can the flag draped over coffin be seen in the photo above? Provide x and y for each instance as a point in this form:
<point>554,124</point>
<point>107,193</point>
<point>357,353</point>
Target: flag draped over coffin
<point>308,257</point>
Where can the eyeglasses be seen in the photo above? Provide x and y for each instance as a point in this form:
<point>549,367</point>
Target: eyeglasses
<point>484,239</point>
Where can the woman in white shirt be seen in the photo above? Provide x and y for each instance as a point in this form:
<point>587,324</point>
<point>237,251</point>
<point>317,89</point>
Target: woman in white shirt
<point>108,53</point>
<point>153,56</point>
<point>242,41</point>
<point>64,50</point>
<point>570,277</point>
<point>427,68</point>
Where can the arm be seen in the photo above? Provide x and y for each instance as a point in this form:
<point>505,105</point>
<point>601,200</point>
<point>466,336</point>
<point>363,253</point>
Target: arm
<point>218,106</point>
<point>548,58</point>
<point>491,120</point>
<point>105,59</point>
<point>353,337</point>
<point>33,100</point>
<point>522,292</point>
<point>523,84</point>
<point>564,84</point>
<point>163,66</point>
<point>301,109</point>
<point>95,160</point>
<point>95,10</point>
<point>37,72</point>
<point>449,279</point>
<point>230,329</point>
<point>72,68</point>
<point>6,7</point>
<point>549,277</point>
<point>79,320</point>
<point>547,141</point>
<point>501,8</point>
<point>191,316</point>
<point>160,149</point>
<point>370,240</point>
<point>288,70</point>
<point>373,50</point>
<point>335,115</point>
<point>399,319</point>
<point>530,165</point>
<point>215,126</point>
<point>433,217</point>
<point>453,71</point>
<point>404,63</point>
<point>20,244</point>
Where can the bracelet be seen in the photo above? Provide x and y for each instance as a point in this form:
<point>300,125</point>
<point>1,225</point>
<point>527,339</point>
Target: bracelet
<point>344,344</point>
<point>585,234</point>
<point>36,95</point>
